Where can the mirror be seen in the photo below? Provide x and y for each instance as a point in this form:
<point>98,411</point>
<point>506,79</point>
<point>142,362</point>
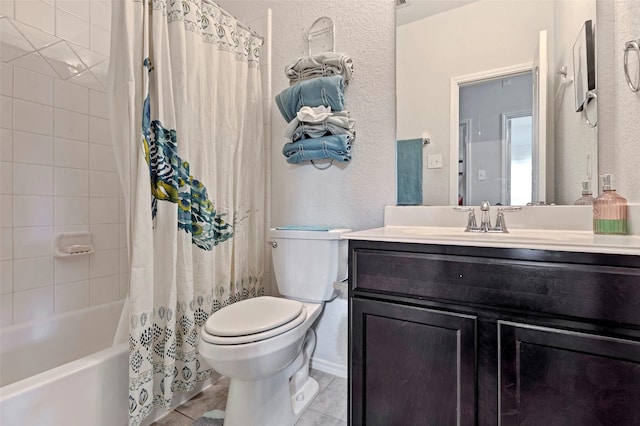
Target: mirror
<point>448,51</point>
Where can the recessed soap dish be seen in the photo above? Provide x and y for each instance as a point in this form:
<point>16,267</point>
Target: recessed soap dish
<point>73,244</point>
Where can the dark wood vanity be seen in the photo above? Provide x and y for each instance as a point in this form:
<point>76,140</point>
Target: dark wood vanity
<point>453,335</point>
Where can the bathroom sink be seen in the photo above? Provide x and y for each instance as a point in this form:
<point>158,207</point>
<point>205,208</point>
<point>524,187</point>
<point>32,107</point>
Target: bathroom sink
<point>543,239</point>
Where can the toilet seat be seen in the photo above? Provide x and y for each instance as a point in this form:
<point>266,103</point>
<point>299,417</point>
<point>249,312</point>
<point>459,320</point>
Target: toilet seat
<point>253,320</point>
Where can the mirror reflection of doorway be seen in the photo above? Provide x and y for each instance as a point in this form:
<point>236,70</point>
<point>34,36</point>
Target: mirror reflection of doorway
<point>496,133</point>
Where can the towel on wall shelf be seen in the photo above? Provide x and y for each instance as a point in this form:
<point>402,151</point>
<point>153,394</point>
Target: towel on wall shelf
<point>323,64</point>
<point>327,91</point>
<point>333,147</point>
<point>409,172</point>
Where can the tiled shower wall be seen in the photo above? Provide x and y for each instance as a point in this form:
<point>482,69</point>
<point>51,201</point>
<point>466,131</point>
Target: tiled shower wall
<point>58,168</point>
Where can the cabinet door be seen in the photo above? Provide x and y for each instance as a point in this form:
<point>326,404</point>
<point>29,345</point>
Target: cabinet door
<point>411,366</point>
<point>558,377</point>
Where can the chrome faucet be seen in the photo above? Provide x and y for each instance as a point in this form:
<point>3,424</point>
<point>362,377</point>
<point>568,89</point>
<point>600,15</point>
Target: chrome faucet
<point>485,218</point>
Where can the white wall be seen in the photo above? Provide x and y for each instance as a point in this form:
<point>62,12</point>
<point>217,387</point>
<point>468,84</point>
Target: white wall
<point>351,195</point>
<point>476,43</point>
<point>618,107</point>
<point>574,140</point>
<point>58,169</point>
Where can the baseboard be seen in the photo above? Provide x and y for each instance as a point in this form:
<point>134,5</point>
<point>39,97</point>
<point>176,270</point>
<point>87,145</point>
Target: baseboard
<point>329,367</point>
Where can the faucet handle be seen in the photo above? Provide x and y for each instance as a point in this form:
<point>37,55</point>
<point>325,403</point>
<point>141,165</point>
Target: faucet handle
<point>471,221</point>
<point>501,225</point>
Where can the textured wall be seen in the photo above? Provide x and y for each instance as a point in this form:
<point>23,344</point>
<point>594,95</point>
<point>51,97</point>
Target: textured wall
<point>352,195</point>
<point>618,108</point>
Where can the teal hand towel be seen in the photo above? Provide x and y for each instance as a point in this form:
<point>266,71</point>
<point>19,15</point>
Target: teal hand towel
<point>409,172</point>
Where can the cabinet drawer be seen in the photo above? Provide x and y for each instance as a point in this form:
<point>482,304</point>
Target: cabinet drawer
<point>573,290</point>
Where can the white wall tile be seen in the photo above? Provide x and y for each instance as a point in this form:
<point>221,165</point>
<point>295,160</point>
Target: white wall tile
<point>104,263</point>
<point>63,60</point>
<point>32,304</point>
<point>71,296</point>
<point>71,125</point>
<point>30,179</point>
<point>34,62</point>
<point>105,236</point>
<point>14,44</point>
<point>79,8</point>
<point>6,211</point>
<point>32,117</point>
<point>32,210</point>
<point>122,230</point>
<point>71,211</point>
<point>32,273</point>
<point>6,276</point>
<point>7,8</point>
<point>101,13</point>
<point>124,261</point>
<point>32,148</point>
<point>36,13</point>
<point>71,96</point>
<point>6,243</point>
<point>37,38</point>
<point>6,178</point>
<point>99,131</point>
<point>103,210</point>
<point>6,79</point>
<point>33,242</point>
<point>98,106</point>
<point>100,40</point>
<point>70,153</point>
<point>124,285</point>
<point>102,157</point>
<point>71,268</point>
<point>72,28</point>
<point>34,87</point>
<point>6,309</point>
<point>105,289</point>
<point>71,182</point>
<point>103,184</point>
<point>122,209</point>
<point>6,145</point>
<point>6,112</point>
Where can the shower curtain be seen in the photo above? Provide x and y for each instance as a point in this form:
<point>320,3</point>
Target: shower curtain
<point>186,107</point>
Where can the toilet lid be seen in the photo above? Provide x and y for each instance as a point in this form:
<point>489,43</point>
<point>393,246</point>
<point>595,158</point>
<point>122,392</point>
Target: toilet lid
<point>253,319</point>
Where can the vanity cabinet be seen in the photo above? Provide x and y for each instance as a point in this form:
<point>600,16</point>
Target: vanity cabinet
<point>452,335</point>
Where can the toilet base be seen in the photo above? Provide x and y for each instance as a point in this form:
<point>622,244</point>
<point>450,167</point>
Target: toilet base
<point>278,400</point>
<point>267,402</point>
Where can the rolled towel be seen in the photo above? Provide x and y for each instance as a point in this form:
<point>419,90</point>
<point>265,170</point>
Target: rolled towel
<point>336,147</point>
<point>326,91</point>
<point>324,64</point>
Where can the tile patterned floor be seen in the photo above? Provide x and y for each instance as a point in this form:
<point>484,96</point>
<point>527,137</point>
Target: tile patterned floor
<point>329,408</point>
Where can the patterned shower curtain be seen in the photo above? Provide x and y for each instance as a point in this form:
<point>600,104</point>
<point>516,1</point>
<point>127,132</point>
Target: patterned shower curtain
<point>186,105</point>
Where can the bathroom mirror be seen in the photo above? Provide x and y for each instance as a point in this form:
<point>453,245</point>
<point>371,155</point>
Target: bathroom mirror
<point>456,60</point>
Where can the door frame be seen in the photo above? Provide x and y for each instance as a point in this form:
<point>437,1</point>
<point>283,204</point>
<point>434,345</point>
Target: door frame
<point>454,112</point>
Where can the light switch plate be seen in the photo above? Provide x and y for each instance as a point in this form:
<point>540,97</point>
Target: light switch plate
<point>434,161</point>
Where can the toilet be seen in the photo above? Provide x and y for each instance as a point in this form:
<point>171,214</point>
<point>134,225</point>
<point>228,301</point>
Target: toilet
<point>264,344</point>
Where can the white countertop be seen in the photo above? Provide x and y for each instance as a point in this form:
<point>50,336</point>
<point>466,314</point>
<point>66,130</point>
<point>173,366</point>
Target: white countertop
<point>541,239</point>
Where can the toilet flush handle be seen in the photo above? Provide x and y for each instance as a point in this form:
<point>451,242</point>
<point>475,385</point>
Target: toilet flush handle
<point>273,244</point>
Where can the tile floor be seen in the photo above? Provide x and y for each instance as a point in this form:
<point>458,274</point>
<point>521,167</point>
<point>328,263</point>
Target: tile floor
<point>329,408</point>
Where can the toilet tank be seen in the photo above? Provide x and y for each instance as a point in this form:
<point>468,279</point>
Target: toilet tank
<point>307,263</point>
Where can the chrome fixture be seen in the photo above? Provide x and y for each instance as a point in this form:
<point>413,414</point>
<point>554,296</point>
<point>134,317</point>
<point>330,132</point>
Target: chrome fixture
<point>485,218</point>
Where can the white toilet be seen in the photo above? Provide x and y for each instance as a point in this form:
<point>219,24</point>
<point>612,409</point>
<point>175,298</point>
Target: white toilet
<point>264,344</point>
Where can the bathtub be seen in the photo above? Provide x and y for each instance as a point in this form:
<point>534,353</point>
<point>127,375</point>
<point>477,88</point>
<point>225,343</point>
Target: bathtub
<point>64,371</point>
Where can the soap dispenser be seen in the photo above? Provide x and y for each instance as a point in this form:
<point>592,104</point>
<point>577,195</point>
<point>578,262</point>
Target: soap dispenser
<point>587,197</point>
<point>609,210</point>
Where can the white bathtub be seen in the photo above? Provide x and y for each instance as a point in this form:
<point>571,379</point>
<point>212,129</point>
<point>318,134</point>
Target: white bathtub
<point>64,371</point>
